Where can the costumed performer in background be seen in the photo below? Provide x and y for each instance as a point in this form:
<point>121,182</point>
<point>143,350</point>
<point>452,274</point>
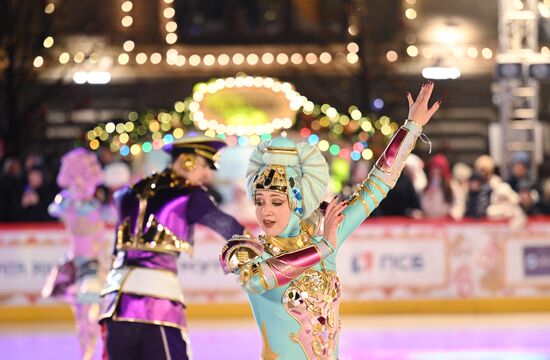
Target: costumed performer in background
<point>78,279</point>
<point>143,308</point>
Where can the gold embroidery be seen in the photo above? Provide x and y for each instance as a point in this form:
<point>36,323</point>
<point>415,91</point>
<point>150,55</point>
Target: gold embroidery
<point>267,352</point>
<point>313,300</point>
<point>278,245</point>
<point>373,198</point>
<point>157,237</point>
<point>165,344</point>
<point>258,269</point>
<point>360,197</point>
<point>371,182</point>
<point>281,150</point>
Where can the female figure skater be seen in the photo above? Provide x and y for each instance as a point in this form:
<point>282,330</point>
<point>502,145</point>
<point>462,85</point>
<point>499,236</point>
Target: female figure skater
<point>77,279</point>
<point>290,275</point>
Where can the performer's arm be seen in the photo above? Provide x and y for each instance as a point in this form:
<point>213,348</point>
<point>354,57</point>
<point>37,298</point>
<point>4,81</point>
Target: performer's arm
<point>203,210</point>
<point>242,257</point>
<point>380,180</point>
<point>387,169</point>
<point>59,205</point>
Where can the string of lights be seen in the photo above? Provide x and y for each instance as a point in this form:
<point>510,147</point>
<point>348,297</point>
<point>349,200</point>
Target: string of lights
<point>152,129</point>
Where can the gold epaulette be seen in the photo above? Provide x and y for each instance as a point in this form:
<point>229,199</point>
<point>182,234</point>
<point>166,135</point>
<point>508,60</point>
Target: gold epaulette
<point>239,250</point>
<point>166,179</point>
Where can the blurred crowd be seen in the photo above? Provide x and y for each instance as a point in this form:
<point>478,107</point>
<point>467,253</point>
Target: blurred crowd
<point>28,186</point>
<point>434,189</point>
<point>431,189</point>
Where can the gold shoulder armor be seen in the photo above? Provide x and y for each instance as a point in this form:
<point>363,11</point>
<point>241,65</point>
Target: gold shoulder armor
<point>239,250</point>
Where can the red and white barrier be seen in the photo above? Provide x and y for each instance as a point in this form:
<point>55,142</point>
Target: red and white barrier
<point>383,259</point>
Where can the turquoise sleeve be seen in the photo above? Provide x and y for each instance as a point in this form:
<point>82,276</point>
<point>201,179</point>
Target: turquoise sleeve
<point>380,180</point>
<point>360,206</point>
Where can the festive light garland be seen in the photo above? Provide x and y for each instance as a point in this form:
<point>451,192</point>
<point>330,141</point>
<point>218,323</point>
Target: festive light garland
<point>48,41</point>
<point>428,52</point>
<point>152,129</point>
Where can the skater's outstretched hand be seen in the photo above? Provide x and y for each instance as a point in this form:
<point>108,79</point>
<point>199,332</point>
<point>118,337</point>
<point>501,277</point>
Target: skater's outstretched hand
<point>419,110</point>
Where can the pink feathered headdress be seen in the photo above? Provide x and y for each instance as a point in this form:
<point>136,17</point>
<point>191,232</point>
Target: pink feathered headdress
<point>80,172</point>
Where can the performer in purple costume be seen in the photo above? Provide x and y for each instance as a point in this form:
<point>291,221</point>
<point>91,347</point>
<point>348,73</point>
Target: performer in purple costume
<point>143,308</point>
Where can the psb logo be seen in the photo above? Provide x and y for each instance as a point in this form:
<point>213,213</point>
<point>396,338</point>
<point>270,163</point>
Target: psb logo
<point>404,262</point>
<point>536,260</point>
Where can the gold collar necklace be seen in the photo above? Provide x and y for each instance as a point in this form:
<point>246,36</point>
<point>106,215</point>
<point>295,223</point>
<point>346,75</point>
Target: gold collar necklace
<point>277,245</point>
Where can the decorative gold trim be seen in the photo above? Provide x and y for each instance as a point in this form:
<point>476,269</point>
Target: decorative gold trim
<point>152,296</point>
<point>187,161</point>
<point>273,275</point>
<point>261,276</point>
<point>212,156</point>
<point>165,343</point>
<point>360,197</point>
<point>373,198</point>
<point>267,352</point>
<point>278,245</point>
<point>158,238</point>
<point>301,285</point>
<point>164,250</point>
<point>153,322</point>
<point>281,150</point>
<point>140,219</point>
<point>272,177</point>
<point>371,182</point>
<point>196,146</point>
<point>415,123</point>
<point>379,179</point>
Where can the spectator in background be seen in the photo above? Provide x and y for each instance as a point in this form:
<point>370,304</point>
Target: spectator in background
<point>116,175</point>
<point>414,167</point>
<point>543,205</point>
<point>528,198</point>
<point>2,152</point>
<point>32,204</point>
<point>33,161</point>
<point>459,185</point>
<point>11,187</point>
<point>520,172</point>
<point>504,201</point>
<point>402,200</point>
<point>478,198</point>
<point>438,198</point>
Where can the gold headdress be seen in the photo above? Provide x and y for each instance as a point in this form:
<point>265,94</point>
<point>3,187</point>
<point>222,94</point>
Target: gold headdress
<point>272,177</point>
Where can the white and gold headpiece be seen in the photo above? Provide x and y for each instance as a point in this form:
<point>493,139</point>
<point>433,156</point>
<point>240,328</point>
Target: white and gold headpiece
<point>299,170</point>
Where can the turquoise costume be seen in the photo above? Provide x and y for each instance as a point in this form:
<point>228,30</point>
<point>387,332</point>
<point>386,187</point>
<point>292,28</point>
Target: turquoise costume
<point>291,279</point>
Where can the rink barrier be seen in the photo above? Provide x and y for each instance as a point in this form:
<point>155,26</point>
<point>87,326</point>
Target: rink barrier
<point>27,314</point>
<point>389,265</point>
